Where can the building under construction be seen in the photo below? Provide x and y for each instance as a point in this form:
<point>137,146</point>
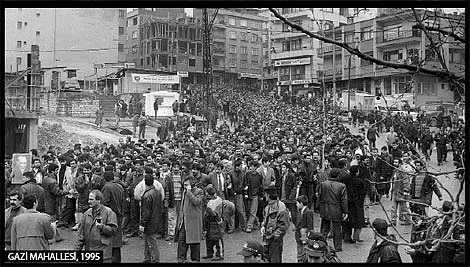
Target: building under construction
<point>22,106</point>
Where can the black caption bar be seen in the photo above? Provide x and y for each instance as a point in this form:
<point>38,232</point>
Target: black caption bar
<point>54,256</point>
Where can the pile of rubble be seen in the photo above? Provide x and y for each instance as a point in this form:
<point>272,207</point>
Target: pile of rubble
<point>52,134</point>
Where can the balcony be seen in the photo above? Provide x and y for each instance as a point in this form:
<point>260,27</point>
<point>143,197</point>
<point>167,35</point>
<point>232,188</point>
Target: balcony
<point>328,50</point>
<point>289,54</point>
<point>400,38</point>
<point>21,99</point>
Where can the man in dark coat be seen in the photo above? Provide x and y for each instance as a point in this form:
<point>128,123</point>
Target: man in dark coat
<point>52,194</point>
<point>289,190</point>
<point>441,145</point>
<point>254,190</point>
<point>151,210</point>
<point>372,136</point>
<point>113,198</point>
<point>332,196</point>
<point>356,190</point>
<point>236,193</point>
<point>423,186</point>
<point>383,251</point>
<point>32,188</point>
<point>155,107</point>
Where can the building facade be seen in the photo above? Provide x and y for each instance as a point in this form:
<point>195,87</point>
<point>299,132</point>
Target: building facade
<point>391,37</point>
<point>71,40</point>
<point>295,57</point>
<point>237,46</point>
<point>171,43</point>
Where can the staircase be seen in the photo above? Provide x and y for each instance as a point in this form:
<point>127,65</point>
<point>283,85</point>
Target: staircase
<point>108,102</point>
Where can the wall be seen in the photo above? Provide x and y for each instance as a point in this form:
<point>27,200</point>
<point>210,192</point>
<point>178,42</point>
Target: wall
<point>82,106</point>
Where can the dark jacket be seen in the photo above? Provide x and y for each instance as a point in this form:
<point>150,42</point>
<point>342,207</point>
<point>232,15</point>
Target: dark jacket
<point>254,181</point>
<point>356,190</point>
<point>114,198</point>
<point>276,221</point>
<point>333,200</point>
<point>305,221</point>
<point>288,188</point>
<point>385,252</point>
<point>211,225</point>
<point>151,210</point>
<point>238,182</point>
<point>52,192</point>
<point>82,186</point>
<point>422,187</point>
<point>31,188</point>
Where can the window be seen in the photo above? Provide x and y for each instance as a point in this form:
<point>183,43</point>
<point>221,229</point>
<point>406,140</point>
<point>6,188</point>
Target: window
<point>243,64</point>
<point>254,38</point>
<point>121,30</point>
<point>244,37</point>
<point>430,54</point>
<point>254,51</point>
<point>120,48</point>
<point>134,35</point>
<point>254,65</point>
<point>134,49</point>
<point>38,14</point>
<point>134,21</point>
<point>19,25</point>
<point>18,60</point>
<point>71,73</point>
<point>232,63</point>
<point>148,60</point>
<point>392,32</point>
<point>243,50</point>
<point>296,44</point>
<point>286,46</point>
<point>231,21</point>
<point>38,33</point>
<point>243,23</point>
<point>232,49</point>
<point>349,37</point>
<point>366,33</point>
<point>122,13</point>
<point>18,44</point>
<point>393,56</point>
<point>141,62</point>
<point>233,35</point>
<point>298,72</point>
<point>192,62</point>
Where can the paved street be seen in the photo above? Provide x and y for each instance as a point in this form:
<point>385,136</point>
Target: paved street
<point>133,252</point>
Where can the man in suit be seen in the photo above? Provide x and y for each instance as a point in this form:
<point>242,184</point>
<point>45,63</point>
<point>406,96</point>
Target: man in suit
<point>219,180</point>
<point>304,224</point>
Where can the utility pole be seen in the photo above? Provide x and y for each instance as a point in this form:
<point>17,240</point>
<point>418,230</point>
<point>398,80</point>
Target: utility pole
<point>349,83</point>
<point>207,56</point>
<point>334,70</point>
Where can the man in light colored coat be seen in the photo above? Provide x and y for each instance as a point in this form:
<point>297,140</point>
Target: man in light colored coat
<point>32,229</point>
<point>189,226</point>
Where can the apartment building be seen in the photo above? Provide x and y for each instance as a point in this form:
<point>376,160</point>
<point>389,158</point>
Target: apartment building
<point>237,46</point>
<point>165,40</point>
<point>71,40</point>
<point>297,63</point>
<point>391,37</point>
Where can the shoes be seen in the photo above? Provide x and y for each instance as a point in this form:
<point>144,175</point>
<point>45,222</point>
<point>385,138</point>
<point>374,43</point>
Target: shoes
<point>207,257</point>
<point>350,241</point>
<point>248,230</point>
<point>125,241</point>
<point>358,240</point>
<point>75,227</point>
<point>169,238</point>
<point>338,250</point>
<point>218,259</point>
<point>59,239</point>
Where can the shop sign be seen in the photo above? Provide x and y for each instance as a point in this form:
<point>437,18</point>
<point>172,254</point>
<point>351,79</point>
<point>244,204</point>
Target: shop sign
<point>292,62</point>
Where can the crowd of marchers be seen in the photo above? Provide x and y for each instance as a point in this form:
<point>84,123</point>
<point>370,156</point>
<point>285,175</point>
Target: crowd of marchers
<point>271,167</point>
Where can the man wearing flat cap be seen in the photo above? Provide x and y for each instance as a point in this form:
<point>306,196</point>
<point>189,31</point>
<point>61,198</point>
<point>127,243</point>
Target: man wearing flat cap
<point>383,251</point>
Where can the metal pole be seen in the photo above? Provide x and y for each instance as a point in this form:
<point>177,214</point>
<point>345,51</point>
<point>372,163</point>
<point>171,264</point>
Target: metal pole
<point>349,84</point>
<point>334,70</point>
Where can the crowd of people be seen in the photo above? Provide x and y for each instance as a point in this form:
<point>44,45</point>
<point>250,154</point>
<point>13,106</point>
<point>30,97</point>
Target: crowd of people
<point>272,166</point>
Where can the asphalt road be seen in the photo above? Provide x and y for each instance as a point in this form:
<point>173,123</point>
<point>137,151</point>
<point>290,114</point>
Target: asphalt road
<point>352,253</point>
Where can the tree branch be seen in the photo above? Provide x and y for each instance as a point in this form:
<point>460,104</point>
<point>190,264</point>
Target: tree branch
<point>355,51</point>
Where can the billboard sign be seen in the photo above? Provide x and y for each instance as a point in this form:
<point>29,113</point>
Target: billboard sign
<point>151,78</point>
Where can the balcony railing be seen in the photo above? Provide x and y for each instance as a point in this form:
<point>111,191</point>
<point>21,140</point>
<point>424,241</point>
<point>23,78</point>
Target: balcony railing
<point>391,36</point>
<point>23,103</point>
